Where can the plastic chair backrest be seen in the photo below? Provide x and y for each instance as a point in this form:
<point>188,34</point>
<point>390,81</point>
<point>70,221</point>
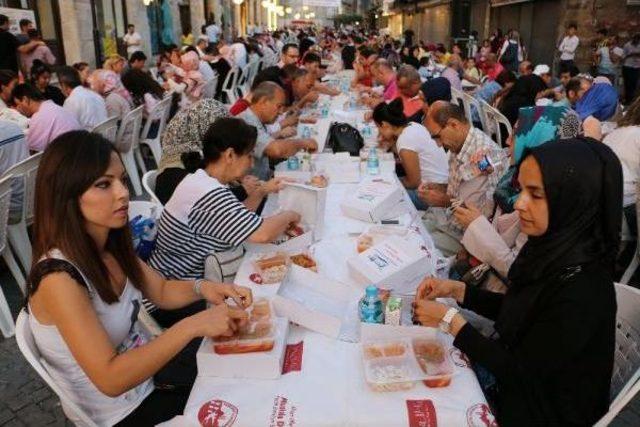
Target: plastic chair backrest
<point>494,119</point>
<point>29,350</point>
<point>27,170</point>
<point>108,128</point>
<point>160,112</point>
<point>626,369</point>
<point>140,207</point>
<point>469,102</point>
<point>149,185</point>
<point>5,203</point>
<point>456,97</point>
<point>210,87</point>
<point>129,130</point>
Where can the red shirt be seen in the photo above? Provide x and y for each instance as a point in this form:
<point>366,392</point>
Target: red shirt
<point>240,105</point>
<point>493,72</point>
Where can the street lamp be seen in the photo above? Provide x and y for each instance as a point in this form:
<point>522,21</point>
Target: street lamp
<point>305,8</point>
<point>238,2</point>
<point>147,2</point>
<point>296,16</point>
<point>288,10</point>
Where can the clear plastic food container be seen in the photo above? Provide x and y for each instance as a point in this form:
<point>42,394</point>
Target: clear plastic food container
<point>272,267</point>
<point>433,359</point>
<point>256,336</point>
<point>390,366</point>
<point>398,364</point>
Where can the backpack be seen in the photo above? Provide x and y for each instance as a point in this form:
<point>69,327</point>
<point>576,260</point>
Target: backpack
<point>510,55</point>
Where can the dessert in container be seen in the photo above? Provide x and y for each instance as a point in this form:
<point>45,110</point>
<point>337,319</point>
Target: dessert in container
<point>257,335</point>
<point>272,267</point>
<point>433,358</point>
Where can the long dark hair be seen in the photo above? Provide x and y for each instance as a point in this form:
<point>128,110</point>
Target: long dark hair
<point>391,113</point>
<point>138,83</point>
<point>69,166</point>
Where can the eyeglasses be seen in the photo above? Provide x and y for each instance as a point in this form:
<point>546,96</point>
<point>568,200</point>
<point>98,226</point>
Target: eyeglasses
<point>437,135</point>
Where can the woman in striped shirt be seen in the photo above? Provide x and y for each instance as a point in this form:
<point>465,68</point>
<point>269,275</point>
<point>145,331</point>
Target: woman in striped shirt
<point>203,215</point>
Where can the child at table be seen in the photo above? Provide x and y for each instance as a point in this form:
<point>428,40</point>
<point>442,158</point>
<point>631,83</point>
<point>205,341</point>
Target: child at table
<point>86,286</point>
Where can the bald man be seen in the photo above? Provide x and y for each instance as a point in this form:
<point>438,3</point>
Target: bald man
<point>384,75</point>
<point>450,129</point>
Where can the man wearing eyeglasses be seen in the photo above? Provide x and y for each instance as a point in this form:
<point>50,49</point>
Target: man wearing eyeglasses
<point>290,55</point>
<point>476,164</point>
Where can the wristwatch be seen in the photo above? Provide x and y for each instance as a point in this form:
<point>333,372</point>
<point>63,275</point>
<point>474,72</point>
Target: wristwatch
<point>445,323</point>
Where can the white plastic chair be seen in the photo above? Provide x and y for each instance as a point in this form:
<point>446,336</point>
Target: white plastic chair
<point>6,320</point>
<point>108,128</point>
<point>127,141</point>
<point>149,185</point>
<point>144,208</point>
<point>230,85</point>
<point>29,350</point>
<point>26,171</point>
<point>210,88</point>
<point>469,101</point>
<point>625,382</point>
<point>456,96</point>
<point>494,119</point>
<point>635,261</point>
<point>159,114</point>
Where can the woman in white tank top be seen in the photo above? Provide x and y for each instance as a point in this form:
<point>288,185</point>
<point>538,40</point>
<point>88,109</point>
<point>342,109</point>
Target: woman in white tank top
<point>86,288</point>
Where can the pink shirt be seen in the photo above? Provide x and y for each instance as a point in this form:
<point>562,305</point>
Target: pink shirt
<point>50,121</point>
<point>391,90</point>
<point>43,53</point>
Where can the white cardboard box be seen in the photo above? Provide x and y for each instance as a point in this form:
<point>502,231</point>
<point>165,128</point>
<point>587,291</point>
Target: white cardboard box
<point>299,243</point>
<point>260,365</point>
<point>396,263</point>
<point>319,304</point>
<point>308,201</point>
<point>340,167</point>
<point>376,198</point>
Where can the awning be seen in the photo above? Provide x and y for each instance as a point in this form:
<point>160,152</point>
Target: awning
<point>498,3</point>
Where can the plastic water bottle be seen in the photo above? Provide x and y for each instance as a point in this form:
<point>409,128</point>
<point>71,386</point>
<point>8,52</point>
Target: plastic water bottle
<point>371,306</point>
<point>324,110</point>
<point>306,132</point>
<point>373,164</point>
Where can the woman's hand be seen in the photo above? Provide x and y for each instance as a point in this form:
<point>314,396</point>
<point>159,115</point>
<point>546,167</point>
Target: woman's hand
<point>429,313</point>
<point>466,214</point>
<point>293,217</point>
<point>219,320</point>
<point>274,185</point>
<point>431,288</point>
<point>250,184</point>
<point>216,293</point>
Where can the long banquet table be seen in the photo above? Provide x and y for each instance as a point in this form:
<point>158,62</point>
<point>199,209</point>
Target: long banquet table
<point>324,384</point>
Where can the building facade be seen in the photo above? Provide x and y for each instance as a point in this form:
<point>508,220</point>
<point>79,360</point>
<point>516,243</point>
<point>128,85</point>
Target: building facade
<point>91,30</point>
<point>541,23</point>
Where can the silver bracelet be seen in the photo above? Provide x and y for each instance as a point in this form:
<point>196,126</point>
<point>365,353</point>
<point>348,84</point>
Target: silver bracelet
<point>197,286</point>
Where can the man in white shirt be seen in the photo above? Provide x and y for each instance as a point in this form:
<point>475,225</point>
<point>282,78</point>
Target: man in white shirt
<point>213,32</point>
<point>13,149</point>
<point>87,106</point>
<point>239,54</point>
<point>568,47</point>
<point>132,40</point>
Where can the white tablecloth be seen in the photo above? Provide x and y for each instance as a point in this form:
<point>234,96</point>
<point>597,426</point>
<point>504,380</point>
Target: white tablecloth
<point>329,388</point>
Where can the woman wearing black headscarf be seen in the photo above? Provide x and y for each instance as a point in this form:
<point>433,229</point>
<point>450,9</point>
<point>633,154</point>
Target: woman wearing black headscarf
<point>522,94</point>
<point>553,359</point>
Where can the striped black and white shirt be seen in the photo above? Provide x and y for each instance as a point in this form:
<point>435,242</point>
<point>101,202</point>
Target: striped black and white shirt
<point>202,216</point>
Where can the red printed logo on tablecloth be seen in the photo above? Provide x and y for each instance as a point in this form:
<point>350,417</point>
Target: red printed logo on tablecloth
<point>459,358</point>
<point>421,413</point>
<point>479,415</point>
<point>217,413</point>
<point>283,413</point>
<point>293,358</point>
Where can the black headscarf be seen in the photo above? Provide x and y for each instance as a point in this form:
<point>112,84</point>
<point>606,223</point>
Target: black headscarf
<point>583,186</point>
<point>522,94</point>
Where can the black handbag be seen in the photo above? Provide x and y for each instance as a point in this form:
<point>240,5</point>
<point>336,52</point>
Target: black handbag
<point>344,137</point>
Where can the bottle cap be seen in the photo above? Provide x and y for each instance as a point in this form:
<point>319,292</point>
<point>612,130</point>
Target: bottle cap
<point>371,291</point>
